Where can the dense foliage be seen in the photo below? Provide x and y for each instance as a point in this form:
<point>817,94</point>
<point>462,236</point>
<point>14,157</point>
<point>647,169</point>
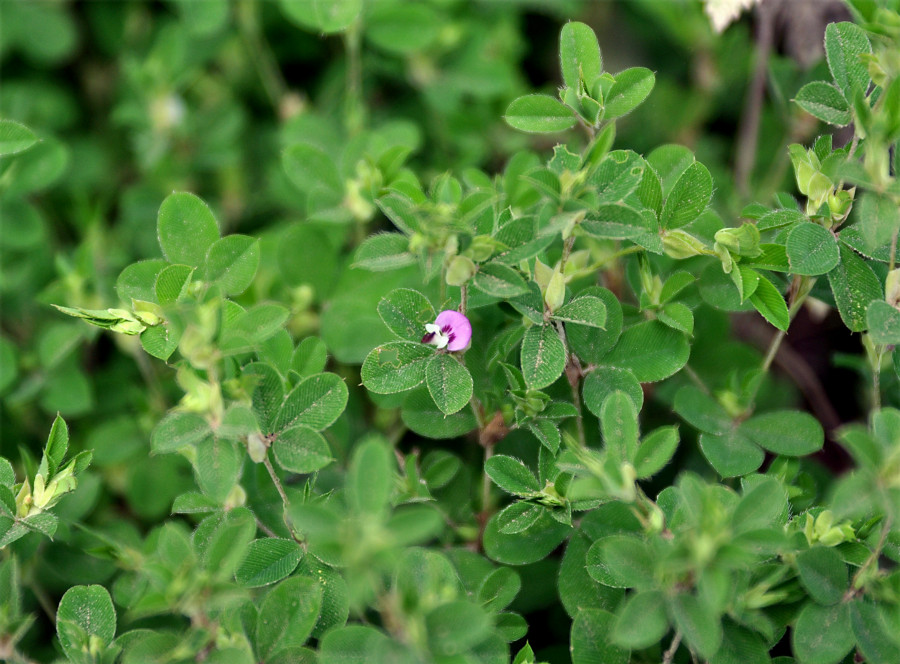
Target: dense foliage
<point>368,352</point>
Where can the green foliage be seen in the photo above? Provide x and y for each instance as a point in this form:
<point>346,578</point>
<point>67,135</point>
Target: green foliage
<point>294,462</point>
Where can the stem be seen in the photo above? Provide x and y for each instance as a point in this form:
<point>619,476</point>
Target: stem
<point>284,501</point>
<point>893,257</point>
<point>670,653</point>
<point>695,378</point>
<point>486,482</point>
<point>573,375</point>
<point>353,110</point>
<point>463,298</point>
<point>876,379</point>
<point>261,54</point>
<point>873,558</point>
<point>773,349</point>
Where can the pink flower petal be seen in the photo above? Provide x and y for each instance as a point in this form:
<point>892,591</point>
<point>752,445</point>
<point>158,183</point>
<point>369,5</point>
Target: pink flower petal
<point>456,325</point>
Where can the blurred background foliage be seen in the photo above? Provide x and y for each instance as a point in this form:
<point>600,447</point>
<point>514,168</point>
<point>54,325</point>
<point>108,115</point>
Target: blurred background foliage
<point>133,100</point>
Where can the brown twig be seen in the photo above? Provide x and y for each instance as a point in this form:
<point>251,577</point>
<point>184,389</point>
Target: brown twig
<point>748,133</point>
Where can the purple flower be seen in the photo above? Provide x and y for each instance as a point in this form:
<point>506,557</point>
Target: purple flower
<point>451,330</point>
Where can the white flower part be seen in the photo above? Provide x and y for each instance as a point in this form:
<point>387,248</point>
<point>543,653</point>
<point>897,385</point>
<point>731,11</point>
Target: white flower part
<point>440,339</point>
<point>722,12</point>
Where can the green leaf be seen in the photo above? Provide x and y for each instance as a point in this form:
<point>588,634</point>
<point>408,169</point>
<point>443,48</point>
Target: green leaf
<point>455,627</point>
<point>650,350</point>
<point>316,402</point>
<point>309,167</point>
<point>844,44</point>
<point>854,286</point>
<point>878,218</point>
<point>310,357</point>
<point>825,102</point>
<point>217,467</point>
<point>511,475</point>
<point>90,608</point>
<point>287,615</point>
<point>300,449</point>
<point>395,367</point>
<point>822,634</point>
<point>268,560</point>
<point>499,280</point>
<point>641,621</point>
<point>232,263</point>
<point>543,356</point>
<point>328,16</point>
<point>763,505</point>
<point>702,410</point>
<point>257,323</point>
<point>177,430</point>
<point>698,623</point>
<point>15,137</point>
<point>619,426</point>
<point>631,88</point>
<point>883,322</point>
<point>449,383</point>
<point>547,432</point>
<point>56,447</point>
<point>731,454</point>
<point>590,343</point>
<point>579,55</point>
<point>655,451</point>
<point>406,312</point>
<point>812,249</point>
<point>172,283</point>
<point>780,219</point>
<point>590,640</point>
<point>768,301</point>
<point>383,252</point>
<point>186,229</point>
<point>160,341</point>
<point>824,574</point>
<point>422,416</point>
<point>877,641</point>
<point>370,477</point>
<point>268,394</point>
<point>614,221</point>
<point>621,561</point>
<point>138,280</point>
<point>499,589</point>
<point>689,197</point>
<point>403,29</point>
<point>585,310</point>
<point>539,114</point>
<point>787,432</point>
<point>352,644</point>
<point>518,517</point>
<point>204,18</point>
<point>603,381</point>
<point>678,316</point>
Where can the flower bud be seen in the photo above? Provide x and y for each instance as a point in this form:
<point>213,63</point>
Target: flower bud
<point>128,327</point>
<point>678,244</point>
<point>892,288</point>
<point>460,270</point>
<point>256,447</point>
<point>743,240</point>
<point>555,295</point>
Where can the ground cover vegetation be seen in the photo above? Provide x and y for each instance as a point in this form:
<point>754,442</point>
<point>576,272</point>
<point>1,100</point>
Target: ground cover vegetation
<point>352,331</point>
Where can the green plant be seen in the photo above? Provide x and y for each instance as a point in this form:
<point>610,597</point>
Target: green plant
<point>398,487</point>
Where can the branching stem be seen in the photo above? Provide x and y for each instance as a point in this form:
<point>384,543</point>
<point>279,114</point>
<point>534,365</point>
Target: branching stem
<point>670,653</point>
